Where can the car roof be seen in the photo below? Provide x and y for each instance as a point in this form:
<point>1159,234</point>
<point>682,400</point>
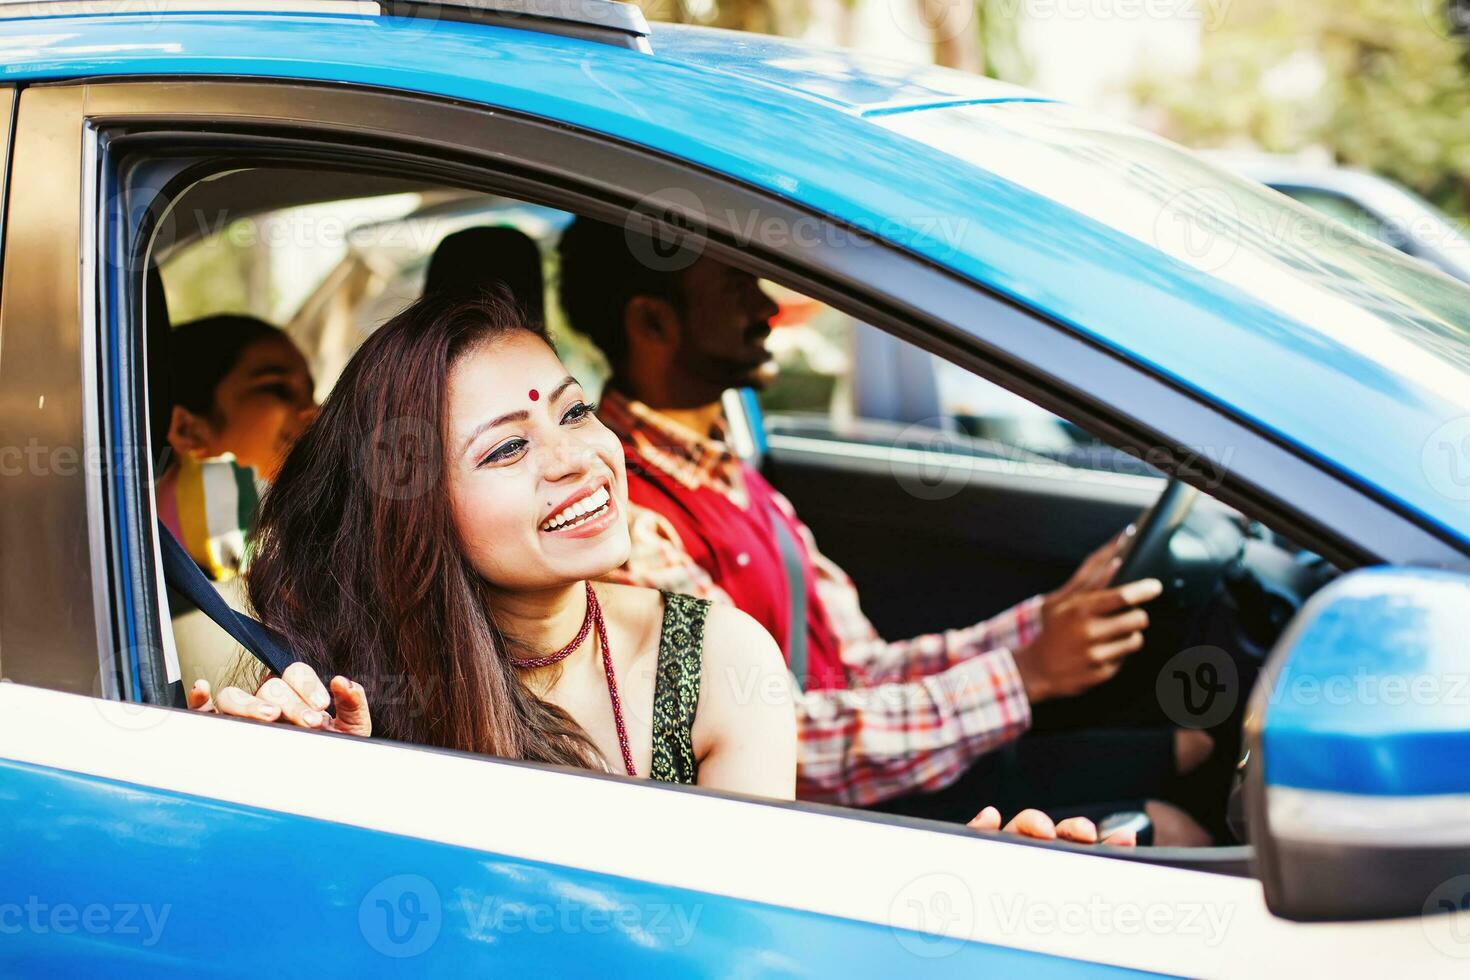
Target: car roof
<point>928,159</point>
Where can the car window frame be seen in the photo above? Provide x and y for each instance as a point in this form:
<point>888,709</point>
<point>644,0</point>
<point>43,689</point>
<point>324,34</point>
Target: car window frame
<point>57,629</point>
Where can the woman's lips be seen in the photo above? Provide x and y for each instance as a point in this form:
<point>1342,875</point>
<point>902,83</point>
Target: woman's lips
<point>591,526</point>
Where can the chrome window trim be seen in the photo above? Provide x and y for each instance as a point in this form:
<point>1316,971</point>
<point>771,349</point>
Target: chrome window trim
<point>112,682</point>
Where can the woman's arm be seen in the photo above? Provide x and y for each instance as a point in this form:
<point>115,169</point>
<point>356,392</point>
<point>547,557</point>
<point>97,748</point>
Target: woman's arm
<point>745,725</point>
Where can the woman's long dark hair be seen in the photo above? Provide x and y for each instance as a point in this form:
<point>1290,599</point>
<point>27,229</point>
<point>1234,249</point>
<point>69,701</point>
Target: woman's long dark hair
<point>357,561</point>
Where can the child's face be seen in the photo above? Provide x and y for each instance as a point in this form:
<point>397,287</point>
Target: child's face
<point>261,407</point>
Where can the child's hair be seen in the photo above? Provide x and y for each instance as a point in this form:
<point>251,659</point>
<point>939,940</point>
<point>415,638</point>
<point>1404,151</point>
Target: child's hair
<point>202,352</point>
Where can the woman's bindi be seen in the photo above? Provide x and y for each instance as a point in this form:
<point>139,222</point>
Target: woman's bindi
<point>535,395</point>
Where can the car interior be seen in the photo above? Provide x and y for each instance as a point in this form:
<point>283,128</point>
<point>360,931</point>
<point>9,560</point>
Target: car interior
<point>920,480</point>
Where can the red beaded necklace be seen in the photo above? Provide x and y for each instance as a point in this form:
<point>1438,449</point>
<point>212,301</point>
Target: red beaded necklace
<point>593,618</point>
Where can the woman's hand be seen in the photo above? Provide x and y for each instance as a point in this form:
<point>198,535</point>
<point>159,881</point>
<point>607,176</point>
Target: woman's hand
<point>297,697</point>
<point>1037,825</point>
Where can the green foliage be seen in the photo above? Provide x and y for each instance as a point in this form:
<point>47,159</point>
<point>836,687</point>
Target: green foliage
<point>995,21</point>
<point>217,275</point>
<point>1379,84</point>
<point>1000,41</point>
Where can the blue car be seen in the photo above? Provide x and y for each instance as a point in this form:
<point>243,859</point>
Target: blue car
<point>1298,405</point>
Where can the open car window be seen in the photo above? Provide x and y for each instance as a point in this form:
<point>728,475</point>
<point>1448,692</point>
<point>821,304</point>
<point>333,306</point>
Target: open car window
<point>846,380</point>
<point>329,272</point>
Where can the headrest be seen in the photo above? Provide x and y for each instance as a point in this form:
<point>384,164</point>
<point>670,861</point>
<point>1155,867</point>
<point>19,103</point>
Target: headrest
<point>476,259</point>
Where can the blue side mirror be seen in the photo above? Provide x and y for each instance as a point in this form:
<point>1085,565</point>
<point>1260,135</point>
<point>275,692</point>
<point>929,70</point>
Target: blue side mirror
<point>1358,782</point>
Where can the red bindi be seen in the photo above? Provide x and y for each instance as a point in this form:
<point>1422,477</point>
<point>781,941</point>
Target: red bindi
<point>535,395</point>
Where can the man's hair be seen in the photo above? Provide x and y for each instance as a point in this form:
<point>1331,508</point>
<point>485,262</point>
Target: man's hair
<point>600,273</point>
<point>202,352</point>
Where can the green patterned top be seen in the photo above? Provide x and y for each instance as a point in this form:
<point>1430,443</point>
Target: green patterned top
<point>676,690</point>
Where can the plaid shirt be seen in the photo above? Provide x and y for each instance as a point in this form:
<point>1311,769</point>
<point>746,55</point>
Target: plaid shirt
<point>915,713</point>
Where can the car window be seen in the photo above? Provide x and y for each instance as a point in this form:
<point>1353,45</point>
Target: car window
<point>328,270</point>
<point>1216,222</point>
<point>842,379</point>
<point>1349,212</point>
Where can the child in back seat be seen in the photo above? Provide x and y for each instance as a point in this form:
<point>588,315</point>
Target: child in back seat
<point>240,395</point>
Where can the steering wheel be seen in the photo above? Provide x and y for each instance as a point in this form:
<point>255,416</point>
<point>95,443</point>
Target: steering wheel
<point>1146,554</point>
<point>1195,610</point>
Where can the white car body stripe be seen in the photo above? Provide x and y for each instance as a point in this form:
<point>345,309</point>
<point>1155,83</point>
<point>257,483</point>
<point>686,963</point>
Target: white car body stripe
<point>1050,901</point>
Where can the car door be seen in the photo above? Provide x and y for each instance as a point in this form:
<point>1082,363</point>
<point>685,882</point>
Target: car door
<point>142,839</point>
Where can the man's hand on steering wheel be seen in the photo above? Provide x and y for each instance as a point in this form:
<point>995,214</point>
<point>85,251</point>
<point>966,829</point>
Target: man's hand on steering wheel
<point>1086,630</point>
<point>1097,569</point>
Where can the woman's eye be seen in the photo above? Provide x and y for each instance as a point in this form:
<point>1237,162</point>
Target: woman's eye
<point>577,413</point>
<point>505,451</point>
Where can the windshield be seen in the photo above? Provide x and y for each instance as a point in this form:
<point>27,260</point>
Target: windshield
<point>1334,331</point>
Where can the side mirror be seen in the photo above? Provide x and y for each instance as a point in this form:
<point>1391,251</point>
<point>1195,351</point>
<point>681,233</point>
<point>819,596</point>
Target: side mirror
<point>1358,778</point>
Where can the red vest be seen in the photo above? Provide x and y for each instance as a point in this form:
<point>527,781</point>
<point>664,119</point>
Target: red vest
<point>739,551</point>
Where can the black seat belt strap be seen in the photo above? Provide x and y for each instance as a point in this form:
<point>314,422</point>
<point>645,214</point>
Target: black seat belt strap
<point>182,575</point>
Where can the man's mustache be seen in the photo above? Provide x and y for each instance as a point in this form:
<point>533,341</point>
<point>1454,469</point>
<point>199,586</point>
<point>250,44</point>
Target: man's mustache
<point>758,331</point>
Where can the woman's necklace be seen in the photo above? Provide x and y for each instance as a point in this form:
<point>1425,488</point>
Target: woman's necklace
<point>593,618</point>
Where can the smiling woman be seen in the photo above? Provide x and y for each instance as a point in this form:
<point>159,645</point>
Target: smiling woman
<point>429,545</point>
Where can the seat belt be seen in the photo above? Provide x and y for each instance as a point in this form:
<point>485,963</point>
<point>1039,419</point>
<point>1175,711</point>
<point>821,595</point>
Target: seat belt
<point>184,576</point>
<point>796,589</point>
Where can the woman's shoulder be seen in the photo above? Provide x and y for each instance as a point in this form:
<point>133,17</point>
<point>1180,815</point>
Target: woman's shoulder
<point>734,638</point>
<point>745,731</point>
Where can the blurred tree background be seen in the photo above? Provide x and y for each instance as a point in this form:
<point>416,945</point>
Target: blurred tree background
<point>1378,84</point>
<point>973,35</point>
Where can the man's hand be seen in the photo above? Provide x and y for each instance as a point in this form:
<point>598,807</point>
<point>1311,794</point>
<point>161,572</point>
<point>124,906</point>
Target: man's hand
<point>1086,630</point>
<point>1097,569</point>
<point>1038,826</point>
